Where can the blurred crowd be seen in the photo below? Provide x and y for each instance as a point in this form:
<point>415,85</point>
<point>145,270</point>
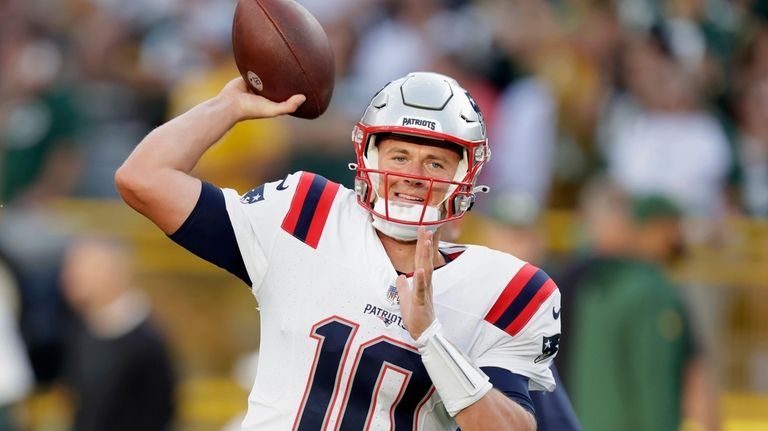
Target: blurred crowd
<point>665,100</point>
<point>663,96</point>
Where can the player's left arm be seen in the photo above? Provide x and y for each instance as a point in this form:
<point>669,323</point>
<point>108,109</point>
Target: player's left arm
<point>495,411</point>
<point>467,392</point>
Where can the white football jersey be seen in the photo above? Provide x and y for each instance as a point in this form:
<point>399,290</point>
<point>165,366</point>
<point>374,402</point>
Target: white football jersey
<point>334,352</point>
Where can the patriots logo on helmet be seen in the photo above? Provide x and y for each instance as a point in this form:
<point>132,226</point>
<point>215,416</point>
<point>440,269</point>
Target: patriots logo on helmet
<point>476,107</point>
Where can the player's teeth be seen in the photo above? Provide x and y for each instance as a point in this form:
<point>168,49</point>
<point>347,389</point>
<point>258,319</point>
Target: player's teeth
<point>410,198</point>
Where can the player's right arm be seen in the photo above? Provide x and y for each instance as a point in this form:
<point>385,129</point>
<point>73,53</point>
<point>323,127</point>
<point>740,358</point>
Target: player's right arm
<point>155,180</point>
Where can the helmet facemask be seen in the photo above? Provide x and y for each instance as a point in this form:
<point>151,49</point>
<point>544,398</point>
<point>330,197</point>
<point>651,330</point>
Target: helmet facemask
<point>396,112</point>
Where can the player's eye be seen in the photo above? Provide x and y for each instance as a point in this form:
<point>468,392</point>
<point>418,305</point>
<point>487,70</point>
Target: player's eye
<point>435,166</point>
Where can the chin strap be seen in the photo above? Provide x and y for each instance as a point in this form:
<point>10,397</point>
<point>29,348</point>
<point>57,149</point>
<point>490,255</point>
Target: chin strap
<point>459,383</point>
<point>402,232</point>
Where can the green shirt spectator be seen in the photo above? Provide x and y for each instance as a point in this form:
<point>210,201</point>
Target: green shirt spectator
<point>629,348</point>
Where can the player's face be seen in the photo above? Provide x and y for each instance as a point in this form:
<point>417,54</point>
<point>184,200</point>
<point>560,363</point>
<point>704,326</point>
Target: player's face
<point>423,160</point>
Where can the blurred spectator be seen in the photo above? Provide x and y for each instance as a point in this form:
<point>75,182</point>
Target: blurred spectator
<point>16,378</point>
<point>581,70</point>
<point>753,150</point>
<point>31,237</point>
<point>660,240</point>
<point>39,162</point>
<point>524,139</point>
<point>467,55</point>
<point>395,44</point>
<point>119,100</point>
<point>657,138</point>
<point>752,120</point>
<point>632,361</point>
<point>523,132</point>
<point>38,116</point>
<point>117,362</point>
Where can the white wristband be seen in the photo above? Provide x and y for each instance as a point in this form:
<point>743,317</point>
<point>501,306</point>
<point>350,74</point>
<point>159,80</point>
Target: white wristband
<point>459,383</point>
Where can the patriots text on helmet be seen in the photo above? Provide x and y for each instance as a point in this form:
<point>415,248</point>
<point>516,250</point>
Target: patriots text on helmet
<point>418,122</point>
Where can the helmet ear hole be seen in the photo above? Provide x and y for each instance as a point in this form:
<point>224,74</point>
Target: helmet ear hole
<point>462,203</point>
<point>362,190</point>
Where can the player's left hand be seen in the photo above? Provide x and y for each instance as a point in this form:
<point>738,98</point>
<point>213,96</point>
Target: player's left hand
<point>416,302</point>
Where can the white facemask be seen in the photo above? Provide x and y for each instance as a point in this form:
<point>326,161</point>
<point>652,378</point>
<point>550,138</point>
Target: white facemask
<point>403,211</point>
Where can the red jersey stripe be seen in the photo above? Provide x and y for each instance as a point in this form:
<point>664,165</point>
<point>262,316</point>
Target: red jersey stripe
<point>321,214</point>
<point>510,292</point>
<point>522,319</point>
<point>297,203</point>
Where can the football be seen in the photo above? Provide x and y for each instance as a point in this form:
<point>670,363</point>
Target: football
<point>280,50</point>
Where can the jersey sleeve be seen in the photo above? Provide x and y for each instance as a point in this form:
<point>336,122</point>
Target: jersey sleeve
<point>297,205</point>
<point>207,234</point>
<point>525,332</point>
<point>255,218</point>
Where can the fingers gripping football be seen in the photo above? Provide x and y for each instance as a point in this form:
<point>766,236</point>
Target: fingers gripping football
<point>252,106</point>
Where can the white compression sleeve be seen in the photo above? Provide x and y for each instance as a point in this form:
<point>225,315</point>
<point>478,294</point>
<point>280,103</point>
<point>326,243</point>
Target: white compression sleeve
<point>458,382</point>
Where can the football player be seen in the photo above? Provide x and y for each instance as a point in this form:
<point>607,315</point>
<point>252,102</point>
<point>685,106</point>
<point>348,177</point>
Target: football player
<point>368,320</point>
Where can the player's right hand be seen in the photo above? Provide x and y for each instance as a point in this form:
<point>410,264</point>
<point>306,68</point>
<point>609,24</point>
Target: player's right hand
<point>416,303</point>
<point>252,106</point>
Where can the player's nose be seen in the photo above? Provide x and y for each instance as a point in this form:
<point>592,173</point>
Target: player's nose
<point>416,170</point>
<point>415,182</point>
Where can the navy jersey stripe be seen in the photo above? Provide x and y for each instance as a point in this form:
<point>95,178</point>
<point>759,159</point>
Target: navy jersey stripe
<point>512,385</point>
<point>309,207</point>
<point>523,298</point>
<point>207,232</point>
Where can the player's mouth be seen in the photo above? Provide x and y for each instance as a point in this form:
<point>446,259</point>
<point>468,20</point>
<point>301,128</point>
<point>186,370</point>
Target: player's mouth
<point>402,197</point>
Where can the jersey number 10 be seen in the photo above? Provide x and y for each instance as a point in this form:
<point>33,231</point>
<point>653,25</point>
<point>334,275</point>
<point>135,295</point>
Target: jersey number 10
<point>373,360</point>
